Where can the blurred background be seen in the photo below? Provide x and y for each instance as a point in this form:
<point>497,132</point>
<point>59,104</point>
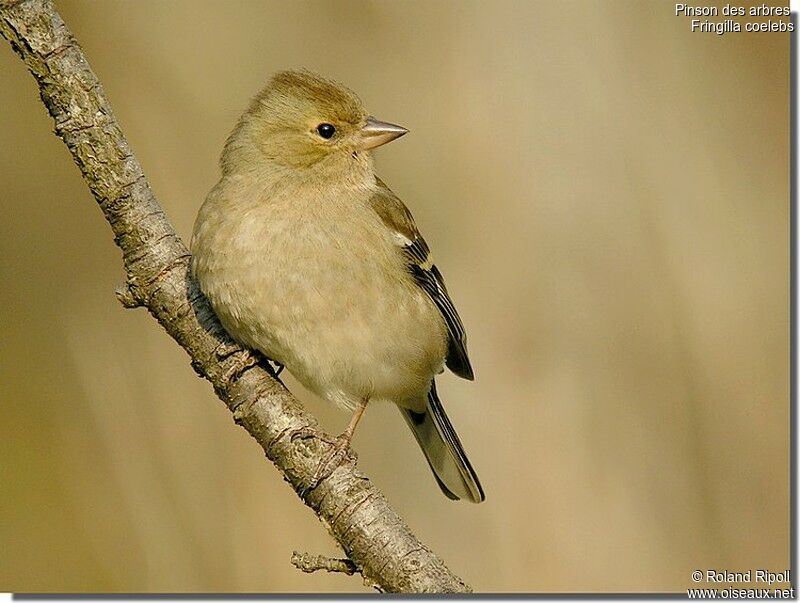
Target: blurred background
<point>607,195</point>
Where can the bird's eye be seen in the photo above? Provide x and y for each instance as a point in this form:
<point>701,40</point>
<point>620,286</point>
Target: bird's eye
<point>326,130</point>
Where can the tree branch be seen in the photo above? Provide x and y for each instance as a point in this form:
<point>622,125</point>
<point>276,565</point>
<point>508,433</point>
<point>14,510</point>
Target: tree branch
<point>379,543</point>
<point>314,563</point>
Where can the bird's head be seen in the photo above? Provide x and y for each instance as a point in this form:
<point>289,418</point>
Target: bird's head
<point>299,119</point>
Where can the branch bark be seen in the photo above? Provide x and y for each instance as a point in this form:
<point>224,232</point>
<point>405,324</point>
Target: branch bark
<point>371,533</point>
<point>314,563</point>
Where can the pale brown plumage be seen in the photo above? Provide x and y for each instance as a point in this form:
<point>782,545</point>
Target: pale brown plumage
<point>306,256</point>
<point>398,218</point>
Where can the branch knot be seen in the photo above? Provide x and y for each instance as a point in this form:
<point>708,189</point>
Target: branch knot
<point>127,297</point>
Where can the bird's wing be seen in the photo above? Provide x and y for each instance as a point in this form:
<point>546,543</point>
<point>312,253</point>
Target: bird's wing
<point>399,220</point>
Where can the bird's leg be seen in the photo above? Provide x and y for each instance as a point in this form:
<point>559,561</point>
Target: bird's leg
<point>340,447</point>
<point>347,436</point>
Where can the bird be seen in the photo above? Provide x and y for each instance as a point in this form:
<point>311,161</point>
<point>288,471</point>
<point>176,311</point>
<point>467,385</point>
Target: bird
<point>307,256</point>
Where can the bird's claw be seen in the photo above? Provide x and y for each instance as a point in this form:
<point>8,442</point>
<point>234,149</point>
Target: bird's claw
<point>241,359</point>
<point>333,458</point>
<point>305,433</point>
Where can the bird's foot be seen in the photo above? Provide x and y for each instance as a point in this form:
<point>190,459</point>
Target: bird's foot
<point>305,433</point>
<point>339,451</point>
<point>238,362</point>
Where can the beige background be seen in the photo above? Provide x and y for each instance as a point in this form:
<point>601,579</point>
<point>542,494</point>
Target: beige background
<point>607,195</point>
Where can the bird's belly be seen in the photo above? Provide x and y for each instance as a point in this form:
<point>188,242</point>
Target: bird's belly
<point>338,309</point>
<point>387,348</point>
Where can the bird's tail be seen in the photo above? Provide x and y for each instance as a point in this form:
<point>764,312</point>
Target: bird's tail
<point>443,450</point>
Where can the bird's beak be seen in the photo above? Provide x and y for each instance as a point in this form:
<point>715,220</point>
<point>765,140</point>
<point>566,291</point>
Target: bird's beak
<point>375,133</point>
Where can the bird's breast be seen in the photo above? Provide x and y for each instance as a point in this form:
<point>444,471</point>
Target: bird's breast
<point>319,285</point>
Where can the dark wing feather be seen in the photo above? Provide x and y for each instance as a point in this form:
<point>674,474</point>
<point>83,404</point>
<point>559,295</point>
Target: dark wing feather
<point>397,217</point>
